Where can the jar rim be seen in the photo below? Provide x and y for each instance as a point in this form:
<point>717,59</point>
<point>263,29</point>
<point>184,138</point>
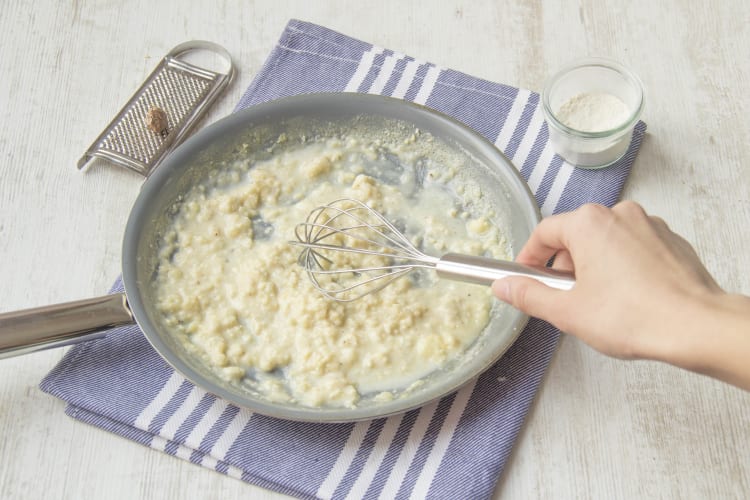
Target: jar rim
<point>593,62</point>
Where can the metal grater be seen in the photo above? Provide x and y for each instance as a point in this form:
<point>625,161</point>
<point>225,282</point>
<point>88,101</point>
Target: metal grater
<point>182,90</point>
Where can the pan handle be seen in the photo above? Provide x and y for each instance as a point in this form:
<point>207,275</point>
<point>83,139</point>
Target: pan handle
<point>31,330</point>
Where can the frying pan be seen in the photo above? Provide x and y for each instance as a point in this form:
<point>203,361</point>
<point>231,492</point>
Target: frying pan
<point>63,324</point>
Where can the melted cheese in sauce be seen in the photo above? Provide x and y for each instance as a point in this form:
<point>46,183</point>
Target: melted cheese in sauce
<point>229,286</point>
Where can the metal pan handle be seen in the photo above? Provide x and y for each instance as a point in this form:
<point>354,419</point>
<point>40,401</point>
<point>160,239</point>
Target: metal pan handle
<point>31,330</point>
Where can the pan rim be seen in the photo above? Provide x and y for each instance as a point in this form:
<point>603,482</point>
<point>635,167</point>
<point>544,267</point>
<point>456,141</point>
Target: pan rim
<point>207,136</point>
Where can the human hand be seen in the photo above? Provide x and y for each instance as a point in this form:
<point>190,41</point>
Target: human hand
<point>641,291</point>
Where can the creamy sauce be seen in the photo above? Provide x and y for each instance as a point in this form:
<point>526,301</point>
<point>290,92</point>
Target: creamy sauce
<point>229,285</point>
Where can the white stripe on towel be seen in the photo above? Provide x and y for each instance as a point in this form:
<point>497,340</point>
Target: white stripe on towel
<point>427,85</point>
<point>363,68</point>
<point>542,165</point>
<point>162,398</point>
<point>524,148</point>
<point>170,427</point>
<point>408,452</point>
<point>387,433</point>
<point>234,472</point>
<point>556,191</point>
<point>337,472</point>
<point>407,77</point>
<point>422,486</point>
<point>386,70</point>
<point>209,461</point>
<point>230,434</point>
<point>158,443</point>
<point>205,424</point>
<point>511,121</point>
<point>183,452</point>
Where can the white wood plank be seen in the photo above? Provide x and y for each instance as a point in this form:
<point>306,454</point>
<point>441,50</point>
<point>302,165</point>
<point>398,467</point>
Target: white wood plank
<point>600,428</point>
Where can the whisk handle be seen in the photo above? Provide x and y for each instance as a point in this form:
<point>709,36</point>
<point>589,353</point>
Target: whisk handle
<point>484,271</point>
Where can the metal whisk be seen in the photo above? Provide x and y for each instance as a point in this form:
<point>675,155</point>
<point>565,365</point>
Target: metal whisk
<point>333,234</point>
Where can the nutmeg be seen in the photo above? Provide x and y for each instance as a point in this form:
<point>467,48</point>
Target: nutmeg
<point>156,120</point>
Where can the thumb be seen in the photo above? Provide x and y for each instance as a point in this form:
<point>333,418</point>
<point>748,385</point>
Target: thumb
<point>531,297</point>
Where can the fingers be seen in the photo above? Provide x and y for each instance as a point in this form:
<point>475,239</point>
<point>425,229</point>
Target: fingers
<point>659,223</point>
<point>559,232</point>
<point>635,215</point>
<point>563,261</point>
<point>532,297</point>
<point>545,241</point>
<point>630,209</point>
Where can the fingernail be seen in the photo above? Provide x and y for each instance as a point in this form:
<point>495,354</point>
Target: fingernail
<point>502,290</point>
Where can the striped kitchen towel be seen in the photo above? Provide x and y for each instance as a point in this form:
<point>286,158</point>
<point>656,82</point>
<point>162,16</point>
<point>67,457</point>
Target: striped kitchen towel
<point>453,448</point>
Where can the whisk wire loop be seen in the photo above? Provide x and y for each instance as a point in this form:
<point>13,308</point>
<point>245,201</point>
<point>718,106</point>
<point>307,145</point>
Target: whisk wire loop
<point>316,231</point>
<point>348,226</point>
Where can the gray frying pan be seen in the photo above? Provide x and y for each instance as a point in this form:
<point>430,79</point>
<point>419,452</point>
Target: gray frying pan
<point>63,324</point>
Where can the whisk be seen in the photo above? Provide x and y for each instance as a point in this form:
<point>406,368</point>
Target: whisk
<point>333,234</point>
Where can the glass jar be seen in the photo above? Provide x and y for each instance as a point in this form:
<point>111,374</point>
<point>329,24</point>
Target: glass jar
<point>599,148</point>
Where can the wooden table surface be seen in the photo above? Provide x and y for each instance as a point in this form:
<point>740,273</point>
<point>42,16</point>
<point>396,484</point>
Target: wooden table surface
<point>600,428</point>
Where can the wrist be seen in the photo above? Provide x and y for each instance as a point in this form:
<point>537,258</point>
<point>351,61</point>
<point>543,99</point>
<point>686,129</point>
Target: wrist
<point>711,336</point>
